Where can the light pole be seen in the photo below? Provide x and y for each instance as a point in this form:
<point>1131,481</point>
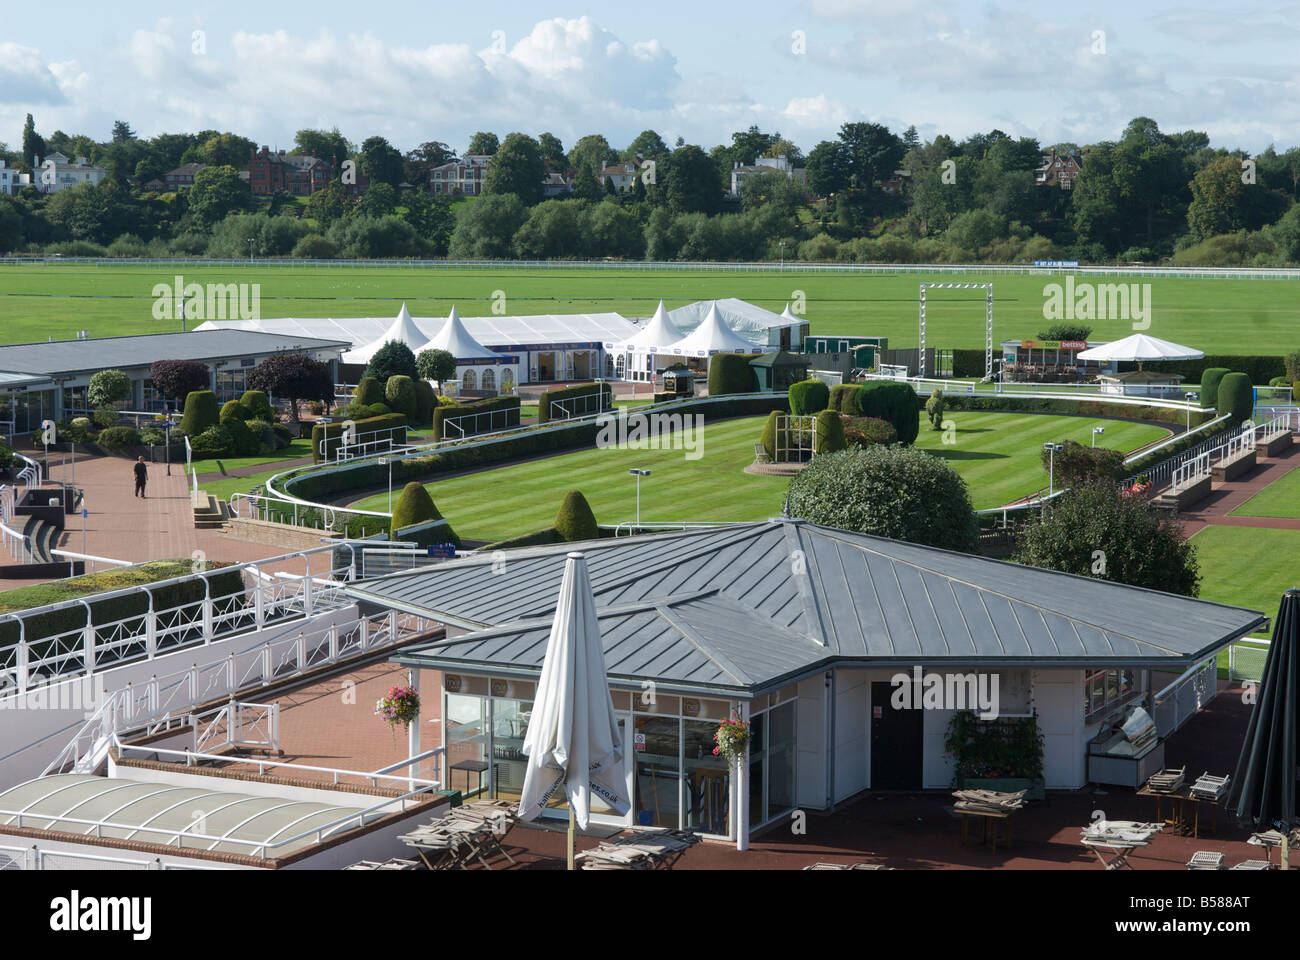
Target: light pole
<point>1095,432</point>
<point>1190,397</point>
<point>783,255</point>
<point>638,474</point>
<point>387,462</point>
<point>251,241</point>
<point>1052,450</point>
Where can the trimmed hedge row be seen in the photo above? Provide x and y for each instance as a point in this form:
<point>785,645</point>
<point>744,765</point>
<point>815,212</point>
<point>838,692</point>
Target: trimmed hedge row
<point>1260,368</point>
<point>1210,380</point>
<point>1178,446</point>
<point>1090,408</point>
<point>480,410</point>
<point>969,363</point>
<point>730,373</point>
<point>55,622</point>
<point>587,390</point>
<point>538,538</point>
<point>327,437</point>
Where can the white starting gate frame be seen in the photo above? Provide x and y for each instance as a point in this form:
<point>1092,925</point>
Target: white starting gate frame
<point>988,319</point>
<point>792,430</point>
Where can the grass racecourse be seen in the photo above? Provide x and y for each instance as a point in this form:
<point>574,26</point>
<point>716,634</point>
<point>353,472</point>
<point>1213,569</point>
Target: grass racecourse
<point>1218,316</point>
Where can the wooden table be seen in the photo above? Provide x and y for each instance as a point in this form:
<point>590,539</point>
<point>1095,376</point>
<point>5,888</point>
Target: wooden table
<point>990,820</point>
<point>1186,809</point>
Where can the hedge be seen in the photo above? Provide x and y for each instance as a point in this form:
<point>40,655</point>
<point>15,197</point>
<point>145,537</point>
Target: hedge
<point>1088,408</point>
<point>1236,397</point>
<point>399,394</point>
<point>326,437</point>
<point>896,402</point>
<point>830,432</point>
<point>481,411</point>
<point>427,532</point>
<point>575,521</point>
<point>413,506</point>
<point>968,363</point>
<point>426,401</point>
<point>369,391</point>
<point>258,405</point>
<point>730,373</point>
<point>201,412</point>
<point>55,622</point>
<point>1260,368</point>
<point>844,398</point>
<point>809,396</point>
<point>537,538</point>
<point>1210,379</point>
<point>1149,460</point>
<point>768,437</point>
<point>582,390</point>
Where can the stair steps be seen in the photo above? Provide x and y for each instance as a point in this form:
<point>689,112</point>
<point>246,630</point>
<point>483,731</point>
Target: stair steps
<point>209,512</point>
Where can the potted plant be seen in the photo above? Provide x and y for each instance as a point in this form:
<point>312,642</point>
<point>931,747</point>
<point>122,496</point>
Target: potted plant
<point>1004,754</point>
<point>401,705</point>
<point>732,739</point>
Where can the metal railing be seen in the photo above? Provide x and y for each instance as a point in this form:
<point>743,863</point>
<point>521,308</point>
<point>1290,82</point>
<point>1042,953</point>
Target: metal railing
<point>240,724</point>
<point>19,544</point>
<point>1246,659</point>
<point>632,526</point>
<point>89,559</point>
<point>1190,471</point>
<point>1177,437</point>
<point>323,516</point>
<point>1039,391</point>
<point>1187,694</point>
<point>454,423</point>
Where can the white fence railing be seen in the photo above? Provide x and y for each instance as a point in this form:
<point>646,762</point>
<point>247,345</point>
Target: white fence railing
<point>1190,471</point>
<point>90,560</point>
<point>1182,698</point>
<point>1246,659</point>
<point>240,724</point>
<point>323,516</point>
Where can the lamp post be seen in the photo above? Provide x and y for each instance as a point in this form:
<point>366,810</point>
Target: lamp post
<point>1190,397</point>
<point>251,241</point>
<point>388,462</point>
<point>1095,432</point>
<point>638,474</point>
<point>783,255</point>
<point>1052,450</point>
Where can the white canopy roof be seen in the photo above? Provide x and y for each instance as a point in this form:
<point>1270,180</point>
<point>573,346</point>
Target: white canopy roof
<point>745,318</point>
<point>659,332</point>
<point>1140,347</point>
<point>402,329</point>
<point>456,340</point>
<point>710,337</point>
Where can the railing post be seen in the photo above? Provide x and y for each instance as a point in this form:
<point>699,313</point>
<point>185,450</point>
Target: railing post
<point>150,629</point>
<point>259,599</point>
<point>266,663</point>
<point>193,680</point>
<point>365,633</point>
<point>306,587</point>
<point>88,644</point>
<point>334,642</point>
<point>302,650</point>
<point>230,673</point>
<point>23,659</point>
<point>207,611</point>
<point>153,693</point>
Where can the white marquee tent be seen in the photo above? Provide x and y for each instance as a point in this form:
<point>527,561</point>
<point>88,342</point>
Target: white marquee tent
<point>752,322</point>
<point>477,368</point>
<point>634,357</point>
<point>711,337</point>
<point>402,329</point>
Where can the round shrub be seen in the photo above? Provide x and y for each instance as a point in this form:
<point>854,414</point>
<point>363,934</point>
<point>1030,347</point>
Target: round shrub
<point>153,436</point>
<point>413,506</point>
<point>399,394</point>
<point>258,405</point>
<point>283,436</point>
<point>369,391</point>
<point>265,435</point>
<point>730,373</point>
<point>117,437</point>
<point>896,492</point>
<point>215,441</point>
<point>809,396</point>
<point>1210,378</point>
<point>107,387</point>
<point>243,442</point>
<point>392,359</point>
<point>201,412</point>
<point>844,398</point>
<point>105,417</point>
<point>869,431</point>
<point>1236,396</point>
<point>769,435</point>
<point>232,410</point>
<point>575,521</point>
<point>830,432</point>
<point>895,402</point>
<point>426,401</point>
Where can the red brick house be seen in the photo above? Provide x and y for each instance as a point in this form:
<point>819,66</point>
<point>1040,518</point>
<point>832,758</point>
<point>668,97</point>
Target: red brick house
<point>1059,170</point>
<point>299,176</point>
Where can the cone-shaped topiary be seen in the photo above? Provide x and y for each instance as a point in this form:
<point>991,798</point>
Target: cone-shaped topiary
<point>1210,378</point>
<point>830,432</point>
<point>201,412</point>
<point>369,391</point>
<point>413,506</point>
<point>1236,396</point>
<point>809,396</point>
<point>575,521</point>
<point>399,394</point>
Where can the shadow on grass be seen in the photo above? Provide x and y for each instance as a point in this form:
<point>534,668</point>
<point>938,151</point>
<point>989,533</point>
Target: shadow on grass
<point>947,454</point>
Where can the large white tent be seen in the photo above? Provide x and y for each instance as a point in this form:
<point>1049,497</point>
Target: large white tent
<point>634,357</point>
<point>477,368</point>
<point>752,322</point>
<point>1139,347</point>
<point>711,337</point>
<point>403,329</point>
<point>456,340</point>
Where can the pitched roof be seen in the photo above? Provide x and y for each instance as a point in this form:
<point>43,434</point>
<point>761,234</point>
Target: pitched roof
<point>749,606</point>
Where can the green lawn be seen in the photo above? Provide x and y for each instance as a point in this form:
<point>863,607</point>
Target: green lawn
<point>1246,566</point>
<point>298,448</point>
<point>1281,498</point>
<point>998,454</point>
<point>1217,316</point>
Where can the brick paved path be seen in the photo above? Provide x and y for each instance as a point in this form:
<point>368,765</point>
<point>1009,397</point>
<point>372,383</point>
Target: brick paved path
<point>1226,497</point>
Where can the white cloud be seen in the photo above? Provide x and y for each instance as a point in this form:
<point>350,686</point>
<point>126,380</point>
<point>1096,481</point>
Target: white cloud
<point>26,78</point>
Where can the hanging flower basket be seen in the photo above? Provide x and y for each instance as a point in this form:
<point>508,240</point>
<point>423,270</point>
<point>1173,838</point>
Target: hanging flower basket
<point>732,739</point>
<point>402,705</point>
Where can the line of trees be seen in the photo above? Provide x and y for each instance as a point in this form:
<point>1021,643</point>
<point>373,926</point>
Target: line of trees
<point>868,195</point>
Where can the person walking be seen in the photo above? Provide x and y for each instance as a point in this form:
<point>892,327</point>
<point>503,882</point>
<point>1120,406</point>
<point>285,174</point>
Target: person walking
<point>141,477</point>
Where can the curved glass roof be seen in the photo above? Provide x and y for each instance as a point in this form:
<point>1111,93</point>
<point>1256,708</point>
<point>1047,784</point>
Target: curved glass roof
<point>195,818</point>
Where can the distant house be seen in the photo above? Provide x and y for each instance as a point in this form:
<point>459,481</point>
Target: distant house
<point>56,173</point>
<point>623,174</point>
<point>894,185</point>
<point>11,181</point>
<point>1059,169</point>
<point>739,171</point>
<point>174,181</point>
<point>463,175</point>
<point>274,172</point>
<point>556,185</point>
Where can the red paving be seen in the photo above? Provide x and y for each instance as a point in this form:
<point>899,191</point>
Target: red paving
<point>1226,497</point>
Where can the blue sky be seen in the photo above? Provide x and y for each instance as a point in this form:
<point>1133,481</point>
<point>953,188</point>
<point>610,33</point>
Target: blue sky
<point>439,72</point>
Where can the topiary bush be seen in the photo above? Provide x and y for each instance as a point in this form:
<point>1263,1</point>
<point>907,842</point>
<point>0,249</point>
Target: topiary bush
<point>730,373</point>
<point>283,435</point>
<point>769,435</point>
<point>265,435</point>
<point>369,391</point>
<point>1210,378</point>
<point>215,441</point>
<point>258,405</point>
<point>243,442</point>
<point>232,410</point>
<point>201,412</point>
<point>934,407</point>
<point>830,432</point>
<point>868,431</point>
<point>105,416</point>
<point>394,358</point>
<point>426,401</point>
<point>399,394</point>
<point>897,492</point>
<point>1077,464</point>
<point>575,521</point>
<point>844,398</point>
<point>413,506</point>
<point>117,437</point>
<point>895,402</point>
<point>1236,397</point>
<point>809,396</point>
<point>108,387</point>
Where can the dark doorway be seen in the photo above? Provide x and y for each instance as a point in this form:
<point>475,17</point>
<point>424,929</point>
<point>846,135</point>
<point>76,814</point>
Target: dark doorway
<point>897,742</point>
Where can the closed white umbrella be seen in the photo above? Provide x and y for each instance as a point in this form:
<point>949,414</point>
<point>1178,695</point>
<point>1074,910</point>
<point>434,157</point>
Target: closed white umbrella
<point>573,741</point>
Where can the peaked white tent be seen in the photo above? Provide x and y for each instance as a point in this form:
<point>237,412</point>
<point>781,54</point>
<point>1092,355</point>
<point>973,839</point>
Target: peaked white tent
<point>403,329</point>
<point>477,367</point>
<point>751,321</point>
<point>634,356</point>
<point>1140,347</point>
<point>711,337</point>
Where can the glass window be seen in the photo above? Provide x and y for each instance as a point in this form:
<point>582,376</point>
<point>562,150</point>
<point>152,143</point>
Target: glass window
<point>780,760</point>
<point>708,779</point>
<point>655,752</point>
<point>509,726</point>
<point>757,769</point>
<point>467,740</point>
